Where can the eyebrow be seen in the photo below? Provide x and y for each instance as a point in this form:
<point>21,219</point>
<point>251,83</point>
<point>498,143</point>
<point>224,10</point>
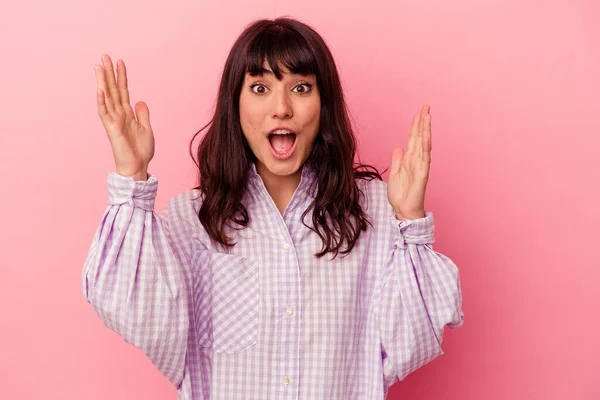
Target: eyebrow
<point>267,71</point>
<point>261,72</point>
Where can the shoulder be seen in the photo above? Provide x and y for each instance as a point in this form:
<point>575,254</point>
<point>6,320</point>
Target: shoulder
<point>182,210</point>
<point>184,205</point>
<point>374,186</point>
<point>374,199</point>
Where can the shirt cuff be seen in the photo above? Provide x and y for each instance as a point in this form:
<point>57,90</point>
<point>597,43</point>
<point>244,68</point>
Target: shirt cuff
<point>413,231</point>
<point>125,190</point>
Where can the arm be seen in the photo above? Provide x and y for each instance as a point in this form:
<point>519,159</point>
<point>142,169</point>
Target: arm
<point>420,294</point>
<point>133,275</point>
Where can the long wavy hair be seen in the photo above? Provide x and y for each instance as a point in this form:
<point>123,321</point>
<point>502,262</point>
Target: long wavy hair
<point>224,155</point>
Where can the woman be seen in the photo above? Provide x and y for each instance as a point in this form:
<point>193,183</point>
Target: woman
<point>229,291</point>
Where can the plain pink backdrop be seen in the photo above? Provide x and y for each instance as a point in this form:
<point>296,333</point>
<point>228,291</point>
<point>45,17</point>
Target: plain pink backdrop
<point>515,179</point>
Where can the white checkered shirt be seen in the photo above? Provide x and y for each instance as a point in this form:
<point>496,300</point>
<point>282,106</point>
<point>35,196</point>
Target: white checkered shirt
<point>267,319</point>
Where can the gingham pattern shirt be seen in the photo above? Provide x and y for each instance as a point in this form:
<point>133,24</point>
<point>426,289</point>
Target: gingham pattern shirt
<point>267,319</point>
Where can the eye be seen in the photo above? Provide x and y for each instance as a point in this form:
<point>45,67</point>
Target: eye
<point>307,87</point>
<point>259,86</point>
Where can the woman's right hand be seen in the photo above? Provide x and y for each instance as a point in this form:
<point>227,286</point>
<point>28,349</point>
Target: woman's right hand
<point>131,138</point>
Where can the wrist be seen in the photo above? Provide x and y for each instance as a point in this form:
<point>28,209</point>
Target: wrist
<point>141,177</point>
<point>138,176</point>
<point>402,217</point>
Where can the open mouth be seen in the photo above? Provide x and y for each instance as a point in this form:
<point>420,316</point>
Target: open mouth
<point>282,144</point>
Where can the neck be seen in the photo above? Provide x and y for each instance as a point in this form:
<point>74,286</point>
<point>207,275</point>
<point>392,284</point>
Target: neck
<point>280,188</point>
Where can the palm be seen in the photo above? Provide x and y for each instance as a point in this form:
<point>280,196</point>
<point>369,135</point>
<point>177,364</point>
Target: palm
<point>134,148</point>
<point>410,171</point>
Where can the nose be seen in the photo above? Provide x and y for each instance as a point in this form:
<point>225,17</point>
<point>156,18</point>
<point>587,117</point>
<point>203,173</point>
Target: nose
<point>282,107</point>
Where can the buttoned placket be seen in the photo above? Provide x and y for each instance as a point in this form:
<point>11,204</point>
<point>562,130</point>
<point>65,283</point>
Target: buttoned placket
<point>286,366</point>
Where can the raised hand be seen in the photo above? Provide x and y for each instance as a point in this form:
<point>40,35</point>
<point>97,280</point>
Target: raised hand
<point>409,172</point>
<point>131,138</point>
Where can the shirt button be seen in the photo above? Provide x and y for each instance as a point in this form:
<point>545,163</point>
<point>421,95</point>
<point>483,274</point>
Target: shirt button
<point>303,195</point>
<point>286,380</point>
<point>286,247</point>
<point>289,311</point>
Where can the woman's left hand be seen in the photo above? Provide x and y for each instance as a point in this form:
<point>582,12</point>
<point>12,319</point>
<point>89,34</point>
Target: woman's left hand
<point>409,171</point>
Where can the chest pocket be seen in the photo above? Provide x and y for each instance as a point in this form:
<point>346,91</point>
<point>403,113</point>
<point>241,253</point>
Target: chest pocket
<point>226,297</point>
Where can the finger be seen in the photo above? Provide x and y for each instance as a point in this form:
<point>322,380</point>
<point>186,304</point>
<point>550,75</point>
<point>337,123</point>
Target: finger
<point>422,120</point>
<point>143,114</point>
<point>109,74</point>
<point>102,110</point>
<point>419,138</point>
<point>102,86</point>
<point>122,82</point>
<point>427,138</point>
<point>410,148</point>
<point>397,156</point>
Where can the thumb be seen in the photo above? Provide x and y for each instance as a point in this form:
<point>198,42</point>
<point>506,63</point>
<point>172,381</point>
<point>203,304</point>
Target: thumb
<point>397,156</point>
<point>143,114</point>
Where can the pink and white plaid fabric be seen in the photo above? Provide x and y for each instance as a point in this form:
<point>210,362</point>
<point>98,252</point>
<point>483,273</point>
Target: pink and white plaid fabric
<point>267,319</point>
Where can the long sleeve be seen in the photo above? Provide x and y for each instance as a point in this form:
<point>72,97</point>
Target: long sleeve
<point>420,295</point>
<point>133,274</point>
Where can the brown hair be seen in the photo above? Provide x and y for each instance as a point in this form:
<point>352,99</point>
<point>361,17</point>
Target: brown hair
<point>224,154</point>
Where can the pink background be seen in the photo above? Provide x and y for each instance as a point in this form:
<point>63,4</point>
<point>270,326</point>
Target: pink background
<point>514,186</point>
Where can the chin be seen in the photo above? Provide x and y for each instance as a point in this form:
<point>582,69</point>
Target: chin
<point>281,169</point>
<point>287,167</point>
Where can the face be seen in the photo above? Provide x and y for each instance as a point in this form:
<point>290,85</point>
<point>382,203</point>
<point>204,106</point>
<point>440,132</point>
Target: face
<point>290,105</point>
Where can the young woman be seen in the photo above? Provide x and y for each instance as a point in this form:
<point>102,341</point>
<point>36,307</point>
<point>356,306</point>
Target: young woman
<point>289,272</point>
